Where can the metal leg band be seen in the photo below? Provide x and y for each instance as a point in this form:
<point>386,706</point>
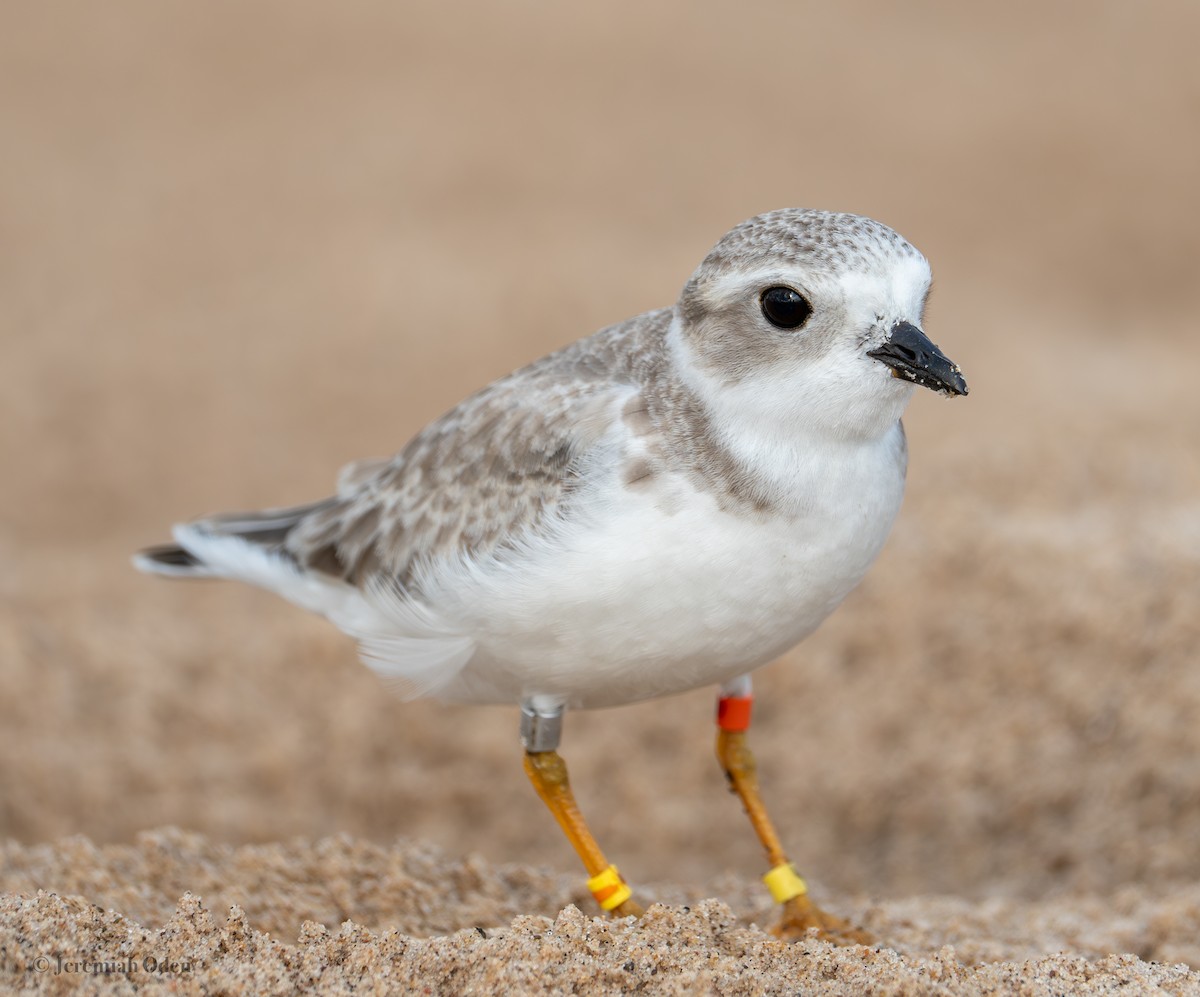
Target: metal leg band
<point>541,729</point>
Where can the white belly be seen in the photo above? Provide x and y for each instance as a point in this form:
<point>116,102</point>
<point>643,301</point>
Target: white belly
<point>659,591</point>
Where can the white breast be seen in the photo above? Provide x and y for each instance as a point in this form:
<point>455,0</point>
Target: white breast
<point>657,590</point>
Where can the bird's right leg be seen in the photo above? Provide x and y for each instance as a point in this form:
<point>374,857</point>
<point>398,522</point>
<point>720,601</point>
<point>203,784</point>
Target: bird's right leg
<point>541,730</point>
<point>798,912</point>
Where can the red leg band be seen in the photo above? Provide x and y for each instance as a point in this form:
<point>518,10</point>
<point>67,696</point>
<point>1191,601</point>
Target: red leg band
<point>733,712</point>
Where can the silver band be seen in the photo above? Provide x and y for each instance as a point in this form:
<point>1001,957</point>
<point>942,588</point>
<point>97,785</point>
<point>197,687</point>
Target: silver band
<point>541,727</point>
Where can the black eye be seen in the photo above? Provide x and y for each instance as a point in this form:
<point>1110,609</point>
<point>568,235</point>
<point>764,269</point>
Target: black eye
<point>785,308</point>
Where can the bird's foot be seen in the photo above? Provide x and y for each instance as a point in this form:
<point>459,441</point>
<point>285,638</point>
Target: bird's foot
<point>801,915</point>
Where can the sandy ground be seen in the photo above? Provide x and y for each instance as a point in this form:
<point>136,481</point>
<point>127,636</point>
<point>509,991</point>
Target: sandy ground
<point>240,246</point>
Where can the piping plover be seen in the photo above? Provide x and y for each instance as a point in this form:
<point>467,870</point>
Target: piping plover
<point>669,503</point>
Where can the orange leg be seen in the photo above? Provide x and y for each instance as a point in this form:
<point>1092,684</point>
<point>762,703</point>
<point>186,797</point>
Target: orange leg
<point>547,771</point>
<point>799,913</point>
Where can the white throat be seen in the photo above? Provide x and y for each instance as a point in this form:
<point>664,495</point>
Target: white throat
<point>775,421</point>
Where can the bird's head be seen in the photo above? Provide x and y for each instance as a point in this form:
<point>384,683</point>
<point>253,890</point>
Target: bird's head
<point>813,316</point>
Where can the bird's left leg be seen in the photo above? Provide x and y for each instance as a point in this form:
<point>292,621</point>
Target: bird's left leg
<point>541,730</point>
<point>799,913</point>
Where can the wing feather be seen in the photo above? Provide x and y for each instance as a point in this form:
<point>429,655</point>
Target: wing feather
<point>476,479</point>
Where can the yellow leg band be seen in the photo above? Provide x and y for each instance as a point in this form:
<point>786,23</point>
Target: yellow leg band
<point>609,889</point>
<point>785,883</point>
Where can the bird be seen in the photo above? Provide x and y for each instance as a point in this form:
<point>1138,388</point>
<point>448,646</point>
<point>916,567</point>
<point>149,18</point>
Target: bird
<point>668,503</point>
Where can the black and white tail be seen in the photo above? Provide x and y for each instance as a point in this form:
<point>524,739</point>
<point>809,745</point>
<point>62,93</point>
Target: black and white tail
<point>219,546</point>
<point>404,641</point>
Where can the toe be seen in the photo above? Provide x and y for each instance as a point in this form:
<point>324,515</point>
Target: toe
<point>801,915</point>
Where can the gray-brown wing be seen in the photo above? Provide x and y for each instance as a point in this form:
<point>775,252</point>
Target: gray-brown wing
<point>475,479</point>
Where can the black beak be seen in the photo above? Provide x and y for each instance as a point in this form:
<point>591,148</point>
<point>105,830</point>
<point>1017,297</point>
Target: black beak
<point>913,357</point>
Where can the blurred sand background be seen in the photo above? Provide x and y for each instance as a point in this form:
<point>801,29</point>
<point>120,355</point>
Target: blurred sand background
<point>243,244</point>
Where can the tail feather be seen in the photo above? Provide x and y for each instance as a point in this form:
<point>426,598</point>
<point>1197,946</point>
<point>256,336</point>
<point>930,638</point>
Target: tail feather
<point>411,645</point>
<point>266,530</point>
<point>170,560</point>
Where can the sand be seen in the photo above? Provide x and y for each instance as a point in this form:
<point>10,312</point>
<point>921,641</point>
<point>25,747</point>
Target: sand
<point>347,916</point>
<point>242,246</point>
